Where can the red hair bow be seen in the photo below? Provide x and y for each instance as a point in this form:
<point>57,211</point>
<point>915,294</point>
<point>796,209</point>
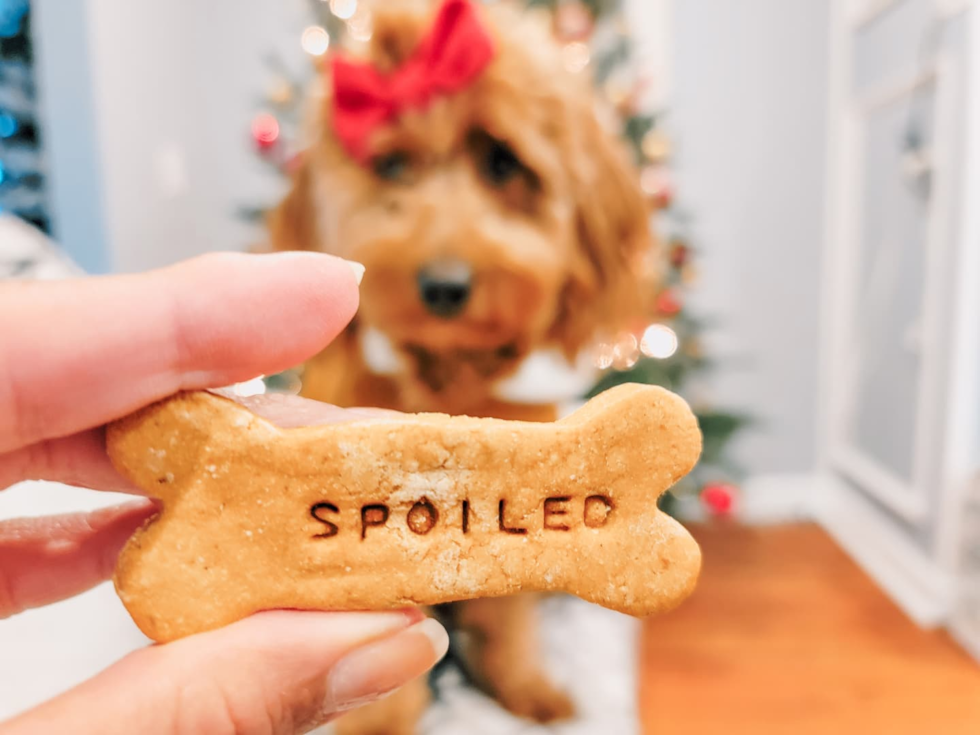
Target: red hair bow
<point>449,58</point>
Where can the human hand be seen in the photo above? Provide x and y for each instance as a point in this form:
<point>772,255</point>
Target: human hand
<point>75,355</point>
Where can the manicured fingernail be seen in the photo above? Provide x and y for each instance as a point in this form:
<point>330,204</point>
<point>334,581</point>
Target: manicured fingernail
<point>377,669</point>
<point>358,269</point>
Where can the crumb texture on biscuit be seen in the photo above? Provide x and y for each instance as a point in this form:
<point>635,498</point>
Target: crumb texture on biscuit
<point>413,510</point>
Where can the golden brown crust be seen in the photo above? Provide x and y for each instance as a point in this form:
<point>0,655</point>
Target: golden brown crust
<point>403,511</point>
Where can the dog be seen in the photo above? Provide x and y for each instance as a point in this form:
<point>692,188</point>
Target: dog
<point>500,223</point>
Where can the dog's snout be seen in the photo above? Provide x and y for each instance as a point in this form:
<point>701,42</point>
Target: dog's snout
<point>444,287</point>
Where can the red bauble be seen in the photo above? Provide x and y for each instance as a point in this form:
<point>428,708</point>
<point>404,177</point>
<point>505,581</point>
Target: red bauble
<point>265,130</point>
<point>668,303</point>
<point>573,22</point>
<point>680,253</point>
<point>719,498</point>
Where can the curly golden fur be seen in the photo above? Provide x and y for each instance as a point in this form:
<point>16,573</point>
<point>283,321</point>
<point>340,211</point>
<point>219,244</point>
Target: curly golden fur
<point>515,181</point>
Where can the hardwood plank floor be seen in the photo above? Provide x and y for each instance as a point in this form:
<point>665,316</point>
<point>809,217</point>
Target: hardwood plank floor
<point>786,635</point>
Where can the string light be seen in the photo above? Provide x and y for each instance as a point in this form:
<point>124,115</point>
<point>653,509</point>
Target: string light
<point>315,41</point>
<point>281,93</point>
<point>343,9</point>
<point>653,180</point>
<point>659,341</point>
<point>8,125</point>
<point>576,56</point>
<point>359,25</point>
<point>604,355</point>
<point>626,352</point>
<point>656,146</point>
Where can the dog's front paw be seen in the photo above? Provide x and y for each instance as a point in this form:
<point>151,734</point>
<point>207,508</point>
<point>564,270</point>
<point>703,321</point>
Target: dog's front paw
<point>537,699</point>
<point>397,714</point>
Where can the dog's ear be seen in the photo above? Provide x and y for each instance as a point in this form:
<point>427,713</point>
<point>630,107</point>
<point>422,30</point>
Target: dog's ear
<point>613,223</point>
<point>292,224</point>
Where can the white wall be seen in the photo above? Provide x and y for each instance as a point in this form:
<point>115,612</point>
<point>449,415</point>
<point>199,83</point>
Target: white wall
<point>169,90</point>
<point>64,82</point>
<point>747,109</point>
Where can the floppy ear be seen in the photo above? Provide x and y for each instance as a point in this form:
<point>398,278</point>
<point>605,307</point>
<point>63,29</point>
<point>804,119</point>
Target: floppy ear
<point>604,292</point>
<point>292,224</point>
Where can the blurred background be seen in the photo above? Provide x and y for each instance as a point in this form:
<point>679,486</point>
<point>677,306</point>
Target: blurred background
<point>813,170</point>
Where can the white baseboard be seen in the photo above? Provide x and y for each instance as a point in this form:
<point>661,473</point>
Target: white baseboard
<point>765,500</point>
<point>967,634</point>
<point>901,568</point>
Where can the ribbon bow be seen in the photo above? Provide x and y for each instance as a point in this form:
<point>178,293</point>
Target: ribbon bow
<point>454,52</point>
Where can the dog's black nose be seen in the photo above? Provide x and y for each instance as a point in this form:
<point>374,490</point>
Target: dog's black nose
<point>445,288</point>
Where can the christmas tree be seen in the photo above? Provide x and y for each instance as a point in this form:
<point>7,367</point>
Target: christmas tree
<point>21,180</point>
<point>663,349</point>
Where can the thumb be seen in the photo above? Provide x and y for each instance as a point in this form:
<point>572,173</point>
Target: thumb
<point>275,672</point>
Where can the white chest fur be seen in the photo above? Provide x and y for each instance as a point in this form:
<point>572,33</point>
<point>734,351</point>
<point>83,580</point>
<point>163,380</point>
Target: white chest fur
<point>543,377</point>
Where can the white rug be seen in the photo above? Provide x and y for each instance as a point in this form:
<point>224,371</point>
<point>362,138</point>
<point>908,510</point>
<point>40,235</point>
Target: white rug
<point>591,652</point>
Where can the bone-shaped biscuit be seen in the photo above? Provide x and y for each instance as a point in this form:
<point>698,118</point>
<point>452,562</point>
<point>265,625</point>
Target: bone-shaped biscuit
<point>412,510</point>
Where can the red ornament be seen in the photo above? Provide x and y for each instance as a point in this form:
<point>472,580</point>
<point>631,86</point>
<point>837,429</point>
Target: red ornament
<point>573,22</point>
<point>668,303</point>
<point>265,130</point>
<point>719,498</point>
<point>680,253</point>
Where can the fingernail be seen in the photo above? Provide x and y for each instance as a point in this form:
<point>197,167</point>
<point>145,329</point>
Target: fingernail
<point>377,669</point>
<point>358,269</point>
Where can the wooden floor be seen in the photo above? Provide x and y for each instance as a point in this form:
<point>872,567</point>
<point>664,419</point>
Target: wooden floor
<point>785,635</point>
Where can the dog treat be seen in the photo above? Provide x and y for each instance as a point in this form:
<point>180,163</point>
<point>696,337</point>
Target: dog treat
<point>402,510</point>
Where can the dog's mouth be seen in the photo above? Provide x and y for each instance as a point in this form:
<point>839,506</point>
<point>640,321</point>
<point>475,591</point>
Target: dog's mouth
<point>440,369</point>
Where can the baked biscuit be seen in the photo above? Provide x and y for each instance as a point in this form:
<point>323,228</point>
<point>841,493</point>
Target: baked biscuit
<point>402,510</point>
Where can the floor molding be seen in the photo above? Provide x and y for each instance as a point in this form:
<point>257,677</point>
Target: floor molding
<point>967,634</point>
<point>899,566</point>
<point>764,500</point>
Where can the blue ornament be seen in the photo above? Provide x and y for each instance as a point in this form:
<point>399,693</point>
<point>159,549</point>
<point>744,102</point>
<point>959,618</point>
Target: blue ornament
<point>12,14</point>
<point>8,125</point>
<point>3,173</point>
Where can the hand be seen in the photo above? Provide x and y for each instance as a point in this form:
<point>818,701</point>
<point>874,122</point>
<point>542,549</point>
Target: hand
<point>75,355</point>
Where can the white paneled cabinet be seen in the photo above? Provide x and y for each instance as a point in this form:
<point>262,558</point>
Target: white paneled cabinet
<point>902,331</point>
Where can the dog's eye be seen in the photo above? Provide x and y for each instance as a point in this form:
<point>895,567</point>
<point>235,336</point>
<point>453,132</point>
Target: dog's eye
<point>391,166</point>
<point>501,164</point>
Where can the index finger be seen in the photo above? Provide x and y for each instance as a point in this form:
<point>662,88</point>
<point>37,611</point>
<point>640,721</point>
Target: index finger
<point>81,353</point>
<point>81,459</point>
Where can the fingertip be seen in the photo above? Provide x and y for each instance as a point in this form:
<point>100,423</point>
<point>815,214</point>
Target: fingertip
<point>323,290</point>
<point>332,279</point>
<point>250,314</point>
<point>377,669</point>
